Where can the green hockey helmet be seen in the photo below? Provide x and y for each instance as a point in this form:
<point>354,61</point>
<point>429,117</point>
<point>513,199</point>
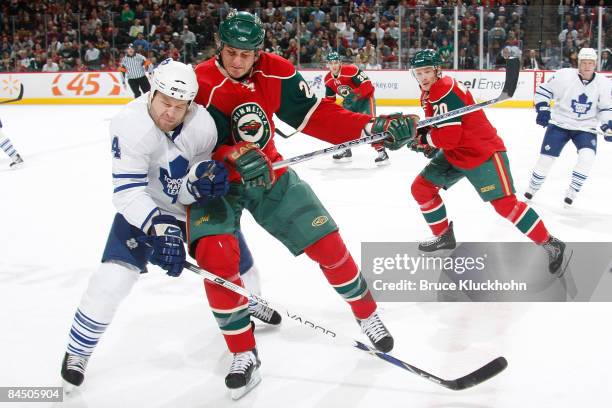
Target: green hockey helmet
<point>333,56</point>
<point>242,30</point>
<point>426,58</point>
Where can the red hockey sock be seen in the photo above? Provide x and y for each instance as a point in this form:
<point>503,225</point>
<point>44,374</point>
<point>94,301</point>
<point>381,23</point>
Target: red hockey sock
<point>220,254</point>
<point>432,207</point>
<point>342,273</point>
<point>523,217</point>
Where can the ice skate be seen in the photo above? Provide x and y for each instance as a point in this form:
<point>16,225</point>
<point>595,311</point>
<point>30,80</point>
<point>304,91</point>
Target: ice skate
<point>382,159</point>
<point>558,257</point>
<point>529,194</point>
<point>344,157</point>
<point>73,371</point>
<point>570,195</point>
<point>444,241</point>
<point>264,313</point>
<point>18,162</point>
<point>244,374</point>
<point>376,331</point>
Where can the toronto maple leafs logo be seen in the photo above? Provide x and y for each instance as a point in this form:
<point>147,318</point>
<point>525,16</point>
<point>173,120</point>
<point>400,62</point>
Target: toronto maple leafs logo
<point>582,105</point>
<point>171,180</point>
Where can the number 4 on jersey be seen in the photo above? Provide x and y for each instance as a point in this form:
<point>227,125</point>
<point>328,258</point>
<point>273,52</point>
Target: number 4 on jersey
<point>115,149</point>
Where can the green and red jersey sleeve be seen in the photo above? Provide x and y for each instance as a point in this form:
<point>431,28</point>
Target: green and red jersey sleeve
<point>468,140</point>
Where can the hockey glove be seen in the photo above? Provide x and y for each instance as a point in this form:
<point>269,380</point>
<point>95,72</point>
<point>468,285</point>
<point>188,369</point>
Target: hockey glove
<point>254,167</point>
<point>166,239</point>
<point>421,145</point>
<point>207,180</point>
<point>607,129</point>
<point>349,100</point>
<point>401,129</point>
<point>543,110</point>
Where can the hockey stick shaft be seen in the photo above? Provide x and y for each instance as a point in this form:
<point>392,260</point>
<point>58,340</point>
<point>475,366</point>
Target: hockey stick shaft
<point>512,73</point>
<point>380,136</point>
<point>483,373</point>
<point>18,98</point>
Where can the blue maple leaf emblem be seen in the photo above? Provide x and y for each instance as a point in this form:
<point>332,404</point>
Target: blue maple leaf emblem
<point>582,105</point>
<point>171,180</point>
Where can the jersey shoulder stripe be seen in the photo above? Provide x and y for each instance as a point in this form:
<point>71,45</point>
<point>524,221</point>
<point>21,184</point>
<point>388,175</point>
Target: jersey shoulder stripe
<point>441,88</point>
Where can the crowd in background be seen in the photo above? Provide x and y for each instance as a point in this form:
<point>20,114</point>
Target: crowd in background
<point>71,35</point>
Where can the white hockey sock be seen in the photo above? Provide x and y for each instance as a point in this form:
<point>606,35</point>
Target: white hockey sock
<point>7,146</point>
<point>540,172</point>
<point>586,158</point>
<point>108,286</point>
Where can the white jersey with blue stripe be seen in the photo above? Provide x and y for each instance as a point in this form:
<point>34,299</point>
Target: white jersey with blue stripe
<point>579,104</point>
<point>149,166</point>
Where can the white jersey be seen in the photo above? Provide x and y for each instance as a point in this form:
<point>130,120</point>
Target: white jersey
<point>149,166</point>
<point>578,105</point>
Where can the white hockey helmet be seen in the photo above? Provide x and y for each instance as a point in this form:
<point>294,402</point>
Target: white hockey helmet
<point>587,54</point>
<point>175,79</point>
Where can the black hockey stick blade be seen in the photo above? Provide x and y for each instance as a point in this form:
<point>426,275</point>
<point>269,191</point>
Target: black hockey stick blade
<point>513,69</point>
<point>476,377</point>
<point>281,133</point>
<point>18,98</point>
<point>489,370</point>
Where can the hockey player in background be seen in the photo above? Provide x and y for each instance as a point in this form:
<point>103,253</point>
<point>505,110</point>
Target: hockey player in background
<point>582,105</point>
<point>468,147</point>
<point>352,84</point>
<point>7,147</point>
<point>161,161</point>
<point>243,87</point>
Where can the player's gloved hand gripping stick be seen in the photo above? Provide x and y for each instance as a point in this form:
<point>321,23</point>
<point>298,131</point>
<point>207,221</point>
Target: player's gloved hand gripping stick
<point>511,81</point>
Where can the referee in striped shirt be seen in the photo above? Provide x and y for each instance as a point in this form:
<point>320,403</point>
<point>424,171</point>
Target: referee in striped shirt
<point>133,67</point>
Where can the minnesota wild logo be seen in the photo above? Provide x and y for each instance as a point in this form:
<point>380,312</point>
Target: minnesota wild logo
<point>250,123</point>
<point>344,90</point>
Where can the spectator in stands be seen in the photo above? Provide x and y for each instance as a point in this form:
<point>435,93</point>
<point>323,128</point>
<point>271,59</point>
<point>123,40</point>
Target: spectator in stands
<point>50,66</point>
<point>141,43</point>
<point>189,39</point>
<point>606,60</point>
<point>500,61</point>
<point>533,61</point>
<point>465,61</point>
<point>92,57</point>
<point>551,56</point>
<point>569,32</point>
<point>127,14</point>
<point>497,33</point>
<point>135,29</point>
<point>446,52</point>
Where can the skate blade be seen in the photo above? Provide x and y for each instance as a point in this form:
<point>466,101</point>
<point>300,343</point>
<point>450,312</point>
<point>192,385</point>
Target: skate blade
<point>566,261</point>
<point>17,166</point>
<point>343,160</point>
<point>68,387</point>
<point>238,393</point>
<point>383,163</point>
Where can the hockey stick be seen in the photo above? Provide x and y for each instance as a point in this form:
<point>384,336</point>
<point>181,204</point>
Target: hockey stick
<point>18,98</point>
<point>483,373</point>
<point>512,74</point>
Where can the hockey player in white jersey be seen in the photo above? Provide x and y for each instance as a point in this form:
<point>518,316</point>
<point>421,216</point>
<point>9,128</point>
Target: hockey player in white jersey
<point>11,152</point>
<point>582,104</point>
<point>161,155</point>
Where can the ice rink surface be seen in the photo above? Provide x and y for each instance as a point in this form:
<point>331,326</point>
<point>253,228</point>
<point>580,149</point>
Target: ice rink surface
<point>164,348</point>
